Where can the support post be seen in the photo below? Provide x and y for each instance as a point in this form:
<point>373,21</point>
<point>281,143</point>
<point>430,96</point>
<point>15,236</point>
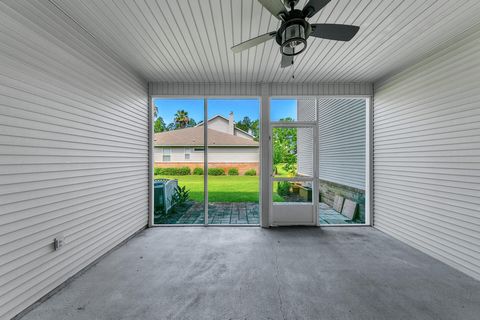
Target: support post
<point>265,154</point>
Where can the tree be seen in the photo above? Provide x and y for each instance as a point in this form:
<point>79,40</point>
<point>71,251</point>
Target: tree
<point>181,119</point>
<point>159,125</point>
<point>191,123</point>
<point>285,147</point>
<point>155,111</point>
<point>245,124</point>
<point>256,129</point>
<point>171,126</point>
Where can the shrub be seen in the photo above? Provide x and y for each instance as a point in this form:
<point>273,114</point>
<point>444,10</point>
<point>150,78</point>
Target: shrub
<point>198,171</point>
<point>251,172</point>
<point>283,188</point>
<point>183,171</point>
<point>216,172</point>
<point>233,172</point>
<point>180,197</point>
<point>156,171</point>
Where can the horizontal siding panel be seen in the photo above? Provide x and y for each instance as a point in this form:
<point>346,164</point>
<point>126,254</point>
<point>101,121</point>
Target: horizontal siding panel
<point>92,250</point>
<point>48,187</point>
<point>59,219</point>
<point>204,89</point>
<point>342,141</point>
<point>76,232</point>
<point>439,208</point>
<point>427,241</point>
<point>73,151</point>
<point>72,210</point>
<point>306,111</point>
<point>52,195</point>
<point>254,89</point>
<point>27,250</point>
<point>427,155</point>
<point>88,119</point>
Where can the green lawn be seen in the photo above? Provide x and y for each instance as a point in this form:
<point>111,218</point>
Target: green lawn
<point>221,188</point>
<point>281,172</point>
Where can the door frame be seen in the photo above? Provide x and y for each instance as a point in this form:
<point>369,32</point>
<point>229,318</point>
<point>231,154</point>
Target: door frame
<point>314,178</point>
<point>369,181</point>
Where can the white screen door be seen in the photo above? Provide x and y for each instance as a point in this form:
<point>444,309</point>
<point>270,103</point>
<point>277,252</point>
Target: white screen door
<point>294,162</point>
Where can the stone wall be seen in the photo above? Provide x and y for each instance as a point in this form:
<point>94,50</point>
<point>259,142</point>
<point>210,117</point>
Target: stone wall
<point>328,190</point>
<point>241,166</point>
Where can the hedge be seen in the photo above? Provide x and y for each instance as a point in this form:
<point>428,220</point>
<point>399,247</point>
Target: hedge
<point>183,171</point>
<point>251,172</point>
<point>216,172</point>
<point>233,172</point>
<point>198,171</point>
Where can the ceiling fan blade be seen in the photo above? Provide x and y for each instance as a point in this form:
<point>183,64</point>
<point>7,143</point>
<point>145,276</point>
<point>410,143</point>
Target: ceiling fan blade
<point>339,32</point>
<point>313,6</point>
<point>287,61</point>
<point>276,7</point>
<point>253,42</point>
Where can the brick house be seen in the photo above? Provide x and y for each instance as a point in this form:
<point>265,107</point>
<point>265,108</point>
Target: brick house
<point>228,147</point>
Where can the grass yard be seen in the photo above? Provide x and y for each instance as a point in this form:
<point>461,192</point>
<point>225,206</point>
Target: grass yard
<point>221,188</point>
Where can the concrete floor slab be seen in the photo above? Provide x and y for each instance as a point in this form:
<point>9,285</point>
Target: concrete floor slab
<point>253,273</point>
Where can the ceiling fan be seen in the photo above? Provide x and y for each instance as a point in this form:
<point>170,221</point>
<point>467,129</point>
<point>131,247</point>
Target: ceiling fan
<point>293,33</point>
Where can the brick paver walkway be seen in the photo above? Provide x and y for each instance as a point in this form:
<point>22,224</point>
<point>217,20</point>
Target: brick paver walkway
<point>237,213</point>
<point>218,213</point>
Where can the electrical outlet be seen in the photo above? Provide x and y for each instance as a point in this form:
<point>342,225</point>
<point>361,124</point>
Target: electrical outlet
<point>58,242</point>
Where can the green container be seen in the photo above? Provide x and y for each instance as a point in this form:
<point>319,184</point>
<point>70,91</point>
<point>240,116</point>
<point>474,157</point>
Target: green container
<point>159,204</point>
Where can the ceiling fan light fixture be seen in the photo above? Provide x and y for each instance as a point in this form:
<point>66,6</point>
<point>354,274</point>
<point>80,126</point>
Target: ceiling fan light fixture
<point>294,28</point>
<point>293,40</point>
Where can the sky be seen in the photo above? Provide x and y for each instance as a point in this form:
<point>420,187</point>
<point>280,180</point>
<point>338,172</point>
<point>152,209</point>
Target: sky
<point>280,108</point>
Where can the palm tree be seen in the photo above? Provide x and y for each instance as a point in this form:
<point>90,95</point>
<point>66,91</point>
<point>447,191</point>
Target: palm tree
<point>181,119</point>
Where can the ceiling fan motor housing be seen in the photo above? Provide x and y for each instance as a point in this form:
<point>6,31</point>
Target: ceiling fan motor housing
<point>293,33</point>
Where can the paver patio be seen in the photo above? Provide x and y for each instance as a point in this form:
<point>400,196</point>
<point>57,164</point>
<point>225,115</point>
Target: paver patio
<point>238,213</point>
<point>330,216</point>
<point>218,213</point>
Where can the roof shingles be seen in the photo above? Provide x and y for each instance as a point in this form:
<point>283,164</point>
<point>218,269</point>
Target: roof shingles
<point>193,137</point>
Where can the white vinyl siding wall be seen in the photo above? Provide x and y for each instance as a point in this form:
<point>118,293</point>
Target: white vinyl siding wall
<point>306,110</point>
<point>73,152</point>
<point>342,141</point>
<point>255,89</point>
<point>427,155</point>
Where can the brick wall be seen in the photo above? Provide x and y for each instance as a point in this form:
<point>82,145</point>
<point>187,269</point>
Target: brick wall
<point>242,166</point>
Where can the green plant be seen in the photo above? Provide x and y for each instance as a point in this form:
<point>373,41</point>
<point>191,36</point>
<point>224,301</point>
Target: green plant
<point>283,188</point>
<point>183,171</point>
<point>233,172</point>
<point>198,171</point>
<point>180,196</point>
<point>251,172</point>
<point>285,147</point>
<point>216,172</point>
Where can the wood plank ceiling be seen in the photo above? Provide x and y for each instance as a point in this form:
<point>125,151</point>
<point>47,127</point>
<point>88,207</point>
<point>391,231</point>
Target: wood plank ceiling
<point>190,40</point>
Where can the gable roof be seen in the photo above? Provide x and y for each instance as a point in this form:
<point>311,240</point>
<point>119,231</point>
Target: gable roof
<point>226,120</point>
<point>214,117</point>
<point>192,137</point>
